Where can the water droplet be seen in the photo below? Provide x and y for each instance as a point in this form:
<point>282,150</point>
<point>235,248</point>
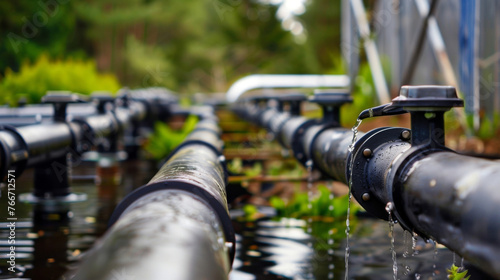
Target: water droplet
<point>389,207</point>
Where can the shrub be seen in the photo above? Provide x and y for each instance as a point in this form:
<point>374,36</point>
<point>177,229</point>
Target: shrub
<point>33,81</point>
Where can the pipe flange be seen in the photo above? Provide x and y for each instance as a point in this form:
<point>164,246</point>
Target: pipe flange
<point>401,167</point>
<point>372,197</point>
<point>21,156</point>
<point>297,147</point>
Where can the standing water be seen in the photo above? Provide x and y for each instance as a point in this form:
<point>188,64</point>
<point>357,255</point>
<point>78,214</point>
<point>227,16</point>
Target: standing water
<point>351,166</point>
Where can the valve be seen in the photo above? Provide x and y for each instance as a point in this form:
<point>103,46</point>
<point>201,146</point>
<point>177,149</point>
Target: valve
<point>294,101</point>
<point>330,102</point>
<point>60,101</point>
<point>103,100</point>
<point>305,135</point>
<point>382,158</point>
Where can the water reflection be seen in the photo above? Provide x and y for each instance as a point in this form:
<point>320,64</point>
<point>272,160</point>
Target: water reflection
<point>278,250</point>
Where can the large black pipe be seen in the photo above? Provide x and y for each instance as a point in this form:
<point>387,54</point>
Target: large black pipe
<point>322,141</point>
<point>429,189</point>
<point>178,222</point>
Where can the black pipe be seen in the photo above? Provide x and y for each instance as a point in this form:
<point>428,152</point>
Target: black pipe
<point>321,140</point>
<point>179,220</point>
<point>426,187</point>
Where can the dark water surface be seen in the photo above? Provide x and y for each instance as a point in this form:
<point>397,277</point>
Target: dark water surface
<point>50,241</point>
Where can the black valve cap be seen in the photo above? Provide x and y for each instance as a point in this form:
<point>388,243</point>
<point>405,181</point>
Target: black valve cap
<point>330,101</point>
<point>435,98</point>
<point>335,97</point>
<point>60,100</point>
<point>102,98</point>
<point>294,100</point>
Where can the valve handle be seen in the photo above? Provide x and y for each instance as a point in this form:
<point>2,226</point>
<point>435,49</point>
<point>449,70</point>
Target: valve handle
<point>294,100</point>
<point>330,101</point>
<point>383,110</point>
<point>102,98</point>
<point>60,100</point>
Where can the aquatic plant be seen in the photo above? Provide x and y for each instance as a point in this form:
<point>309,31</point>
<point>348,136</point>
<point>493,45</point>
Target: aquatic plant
<point>165,139</point>
<point>235,166</point>
<point>455,273</point>
<point>321,206</point>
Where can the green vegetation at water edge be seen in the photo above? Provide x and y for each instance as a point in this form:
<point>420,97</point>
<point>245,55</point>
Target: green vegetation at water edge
<point>455,273</point>
<point>165,139</point>
<point>322,205</point>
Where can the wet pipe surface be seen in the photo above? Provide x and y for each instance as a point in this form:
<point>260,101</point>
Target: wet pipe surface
<point>49,242</point>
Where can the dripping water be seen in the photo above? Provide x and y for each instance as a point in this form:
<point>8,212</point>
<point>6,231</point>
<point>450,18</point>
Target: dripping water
<point>351,166</point>
<point>414,250</point>
<point>309,165</point>
<point>407,238</point>
<point>389,207</point>
<point>330,241</point>
<point>462,263</point>
<point>434,258</point>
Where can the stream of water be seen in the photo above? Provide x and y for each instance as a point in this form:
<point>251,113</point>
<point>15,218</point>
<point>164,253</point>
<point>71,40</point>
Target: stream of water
<point>351,167</point>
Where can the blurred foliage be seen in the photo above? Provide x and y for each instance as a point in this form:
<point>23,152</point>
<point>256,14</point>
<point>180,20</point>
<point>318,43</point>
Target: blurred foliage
<point>456,273</point>
<point>275,168</point>
<point>34,80</point>
<point>285,168</point>
<point>251,212</point>
<point>165,139</point>
<point>487,126</point>
<point>29,29</point>
<point>324,204</point>
<point>364,96</point>
<point>189,46</point>
<point>235,166</point>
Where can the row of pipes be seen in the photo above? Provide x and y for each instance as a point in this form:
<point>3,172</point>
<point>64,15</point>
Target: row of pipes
<point>429,189</point>
<point>180,219</point>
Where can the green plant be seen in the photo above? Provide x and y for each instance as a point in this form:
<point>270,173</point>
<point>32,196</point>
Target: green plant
<point>251,212</point>
<point>165,139</point>
<point>235,166</point>
<point>323,205</point>
<point>364,96</point>
<point>455,274</point>
<point>34,80</point>
<point>285,168</point>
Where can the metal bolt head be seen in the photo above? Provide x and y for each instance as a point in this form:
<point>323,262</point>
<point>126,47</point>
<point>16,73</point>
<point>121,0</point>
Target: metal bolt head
<point>366,196</point>
<point>405,135</point>
<point>367,152</point>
